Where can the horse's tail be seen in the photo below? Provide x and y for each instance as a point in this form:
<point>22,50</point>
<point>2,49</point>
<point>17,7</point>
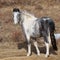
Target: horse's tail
<point>53,40</point>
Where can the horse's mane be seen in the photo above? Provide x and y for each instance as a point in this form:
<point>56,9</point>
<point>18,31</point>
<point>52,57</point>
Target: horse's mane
<point>28,14</point>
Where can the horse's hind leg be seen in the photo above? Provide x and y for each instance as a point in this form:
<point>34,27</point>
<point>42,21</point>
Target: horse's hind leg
<point>47,43</point>
<point>36,46</point>
<point>47,49</point>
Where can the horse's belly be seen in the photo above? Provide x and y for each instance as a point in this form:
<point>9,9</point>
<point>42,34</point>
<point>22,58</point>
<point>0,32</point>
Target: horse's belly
<point>35,34</point>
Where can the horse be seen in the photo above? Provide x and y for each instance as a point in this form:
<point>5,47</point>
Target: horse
<point>34,27</point>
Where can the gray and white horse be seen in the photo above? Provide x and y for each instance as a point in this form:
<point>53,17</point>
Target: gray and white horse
<point>36,27</point>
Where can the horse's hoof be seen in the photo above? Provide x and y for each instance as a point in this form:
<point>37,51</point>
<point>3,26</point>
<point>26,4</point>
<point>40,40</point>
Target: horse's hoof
<point>28,54</point>
<point>46,55</point>
<point>38,54</point>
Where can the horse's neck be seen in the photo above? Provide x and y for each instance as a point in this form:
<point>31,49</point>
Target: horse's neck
<point>29,18</point>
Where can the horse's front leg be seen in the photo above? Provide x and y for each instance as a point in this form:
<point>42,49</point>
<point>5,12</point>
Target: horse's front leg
<point>29,45</point>
<point>29,49</point>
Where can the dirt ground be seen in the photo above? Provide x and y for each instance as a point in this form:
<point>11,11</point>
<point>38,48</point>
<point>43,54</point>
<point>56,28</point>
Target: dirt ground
<point>12,41</point>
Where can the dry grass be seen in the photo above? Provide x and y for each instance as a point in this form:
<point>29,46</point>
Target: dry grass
<point>12,40</point>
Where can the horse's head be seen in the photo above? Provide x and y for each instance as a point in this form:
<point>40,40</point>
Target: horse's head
<point>21,16</point>
<point>16,15</point>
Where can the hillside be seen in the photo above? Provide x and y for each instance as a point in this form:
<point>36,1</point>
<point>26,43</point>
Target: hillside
<point>12,40</point>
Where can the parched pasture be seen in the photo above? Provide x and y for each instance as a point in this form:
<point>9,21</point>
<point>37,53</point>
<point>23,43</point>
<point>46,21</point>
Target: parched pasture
<point>12,40</point>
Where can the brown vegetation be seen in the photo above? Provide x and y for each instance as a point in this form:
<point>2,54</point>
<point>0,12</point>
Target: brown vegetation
<point>12,40</point>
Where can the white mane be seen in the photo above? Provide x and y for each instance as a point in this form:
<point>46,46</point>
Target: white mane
<point>28,16</point>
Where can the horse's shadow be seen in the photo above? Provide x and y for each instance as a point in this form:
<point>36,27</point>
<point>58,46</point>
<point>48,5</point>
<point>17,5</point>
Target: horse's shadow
<point>42,49</point>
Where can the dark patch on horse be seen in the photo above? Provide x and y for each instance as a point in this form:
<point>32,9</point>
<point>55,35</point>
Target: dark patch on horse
<point>16,10</point>
<point>51,26</point>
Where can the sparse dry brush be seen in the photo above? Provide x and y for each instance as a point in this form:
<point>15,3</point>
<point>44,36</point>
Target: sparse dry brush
<point>11,34</point>
<point>39,8</point>
<point>28,2</point>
